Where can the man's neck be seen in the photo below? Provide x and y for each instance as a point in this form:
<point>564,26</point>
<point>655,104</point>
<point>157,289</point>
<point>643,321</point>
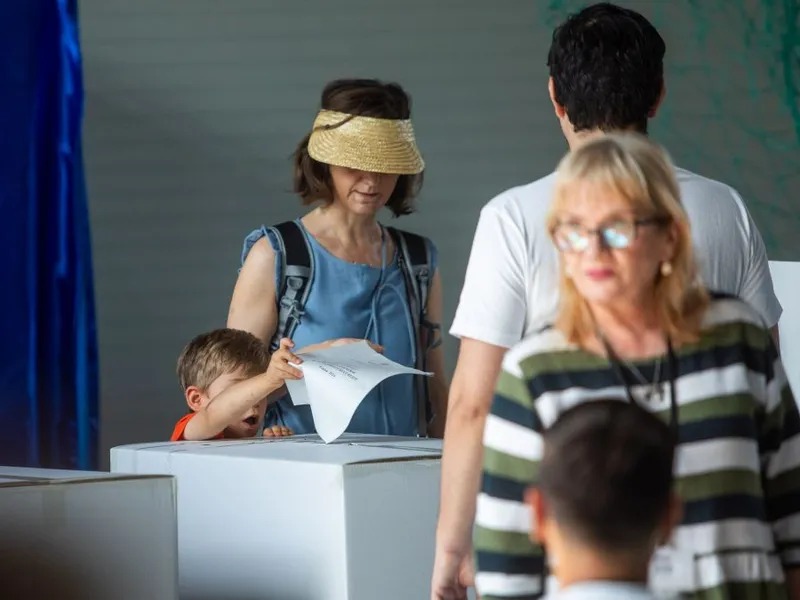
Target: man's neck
<point>575,139</point>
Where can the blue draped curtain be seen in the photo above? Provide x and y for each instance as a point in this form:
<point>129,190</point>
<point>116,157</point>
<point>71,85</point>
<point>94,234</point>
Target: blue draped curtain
<point>48,349</point>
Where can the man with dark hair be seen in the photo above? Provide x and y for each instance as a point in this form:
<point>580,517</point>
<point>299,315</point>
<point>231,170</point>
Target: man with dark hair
<point>603,502</point>
<point>606,71</point>
<point>606,74</point>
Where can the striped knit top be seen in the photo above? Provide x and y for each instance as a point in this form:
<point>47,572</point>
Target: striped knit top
<point>737,464</point>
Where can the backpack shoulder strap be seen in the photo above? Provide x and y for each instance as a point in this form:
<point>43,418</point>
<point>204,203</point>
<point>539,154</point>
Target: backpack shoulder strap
<point>297,274</point>
<point>415,262</point>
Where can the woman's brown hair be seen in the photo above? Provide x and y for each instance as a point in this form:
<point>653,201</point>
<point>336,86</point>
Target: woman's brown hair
<point>363,98</point>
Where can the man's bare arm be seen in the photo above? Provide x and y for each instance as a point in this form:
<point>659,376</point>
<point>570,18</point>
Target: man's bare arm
<point>253,306</point>
<point>470,400</point>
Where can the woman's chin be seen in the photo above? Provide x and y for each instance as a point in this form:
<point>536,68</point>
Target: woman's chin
<point>365,207</point>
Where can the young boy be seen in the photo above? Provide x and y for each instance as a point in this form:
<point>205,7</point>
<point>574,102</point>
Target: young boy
<point>226,376</point>
<point>603,502</point>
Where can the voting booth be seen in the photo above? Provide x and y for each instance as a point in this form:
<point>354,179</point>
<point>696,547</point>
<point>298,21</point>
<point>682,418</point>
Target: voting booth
<point>79,535</point>
<point>297,519</point>
<point>786,280</point>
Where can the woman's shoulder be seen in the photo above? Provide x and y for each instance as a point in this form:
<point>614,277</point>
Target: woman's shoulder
<point>408,234</point>
<point>728,310</point>
<point>547,345</point>
<point>262,244</point>
<point>732,325</point>
<point>411,237</point>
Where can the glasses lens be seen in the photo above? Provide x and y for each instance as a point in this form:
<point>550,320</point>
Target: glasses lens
<point>618,235</point>
<point>571,238</point>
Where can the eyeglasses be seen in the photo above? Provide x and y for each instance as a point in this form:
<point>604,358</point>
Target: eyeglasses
<point>616,235</point>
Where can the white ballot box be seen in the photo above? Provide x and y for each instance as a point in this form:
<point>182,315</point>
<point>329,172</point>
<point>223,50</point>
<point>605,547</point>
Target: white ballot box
<point>297,519</point>
<point>79,535</point>
<point>786,280</point>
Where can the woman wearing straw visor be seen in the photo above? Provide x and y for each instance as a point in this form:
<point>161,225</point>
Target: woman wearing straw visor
<point>635,323</point>
<point>338,273</point>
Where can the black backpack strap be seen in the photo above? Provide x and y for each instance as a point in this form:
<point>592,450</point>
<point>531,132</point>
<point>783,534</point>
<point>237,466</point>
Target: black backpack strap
<point>415,262</point>
<point>297,273</point>
<point>419,257</point>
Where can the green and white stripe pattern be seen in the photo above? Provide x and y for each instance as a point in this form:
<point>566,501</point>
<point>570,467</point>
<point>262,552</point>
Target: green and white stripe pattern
<point>737,466</point>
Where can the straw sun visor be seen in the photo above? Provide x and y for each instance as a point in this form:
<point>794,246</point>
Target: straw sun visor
<point>365,143</point>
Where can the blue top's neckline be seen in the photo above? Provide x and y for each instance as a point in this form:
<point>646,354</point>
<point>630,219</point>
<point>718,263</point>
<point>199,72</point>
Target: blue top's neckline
<point>316,243</point>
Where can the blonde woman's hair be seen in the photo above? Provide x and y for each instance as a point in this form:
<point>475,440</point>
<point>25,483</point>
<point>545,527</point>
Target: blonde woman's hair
<point>642,173</point>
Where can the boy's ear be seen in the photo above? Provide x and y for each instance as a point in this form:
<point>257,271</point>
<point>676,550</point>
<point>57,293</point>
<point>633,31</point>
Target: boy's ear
<point>194,397</point>
<point>672,519</point>
<point>535,501</point>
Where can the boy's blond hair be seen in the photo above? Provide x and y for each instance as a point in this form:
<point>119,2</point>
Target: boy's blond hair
<point>212,354</point>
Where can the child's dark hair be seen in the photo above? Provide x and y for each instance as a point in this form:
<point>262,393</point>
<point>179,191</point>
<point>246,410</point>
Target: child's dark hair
<point>212,354</point>
<point>607,474</point>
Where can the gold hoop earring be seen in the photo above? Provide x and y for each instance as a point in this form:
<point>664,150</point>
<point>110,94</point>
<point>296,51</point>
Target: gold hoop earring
<point>666,269</point>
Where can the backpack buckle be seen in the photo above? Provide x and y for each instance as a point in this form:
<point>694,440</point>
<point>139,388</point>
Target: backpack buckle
<point>294,283</point>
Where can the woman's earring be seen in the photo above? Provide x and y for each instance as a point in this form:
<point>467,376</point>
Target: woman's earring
<point>666,268</point>
<point>567,272</point>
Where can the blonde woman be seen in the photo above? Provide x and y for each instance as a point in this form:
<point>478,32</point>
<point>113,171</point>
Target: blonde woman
<point>634,322</point>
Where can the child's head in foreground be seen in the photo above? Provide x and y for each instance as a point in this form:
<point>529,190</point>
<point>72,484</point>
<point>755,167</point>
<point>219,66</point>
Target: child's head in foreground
<point>214,361</point>
<point>604,498</point>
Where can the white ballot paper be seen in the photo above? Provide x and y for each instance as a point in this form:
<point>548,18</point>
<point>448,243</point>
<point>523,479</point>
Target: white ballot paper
<point>336,380</point>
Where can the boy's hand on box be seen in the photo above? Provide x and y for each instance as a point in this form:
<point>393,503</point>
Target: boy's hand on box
<point>278,431</point>
<point>279,369</point>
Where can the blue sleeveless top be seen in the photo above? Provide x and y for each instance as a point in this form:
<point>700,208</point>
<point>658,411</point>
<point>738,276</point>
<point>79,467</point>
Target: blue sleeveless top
<point>354,301</point>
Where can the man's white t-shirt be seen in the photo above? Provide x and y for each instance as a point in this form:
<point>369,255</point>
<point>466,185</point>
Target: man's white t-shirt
<point>511,285</point>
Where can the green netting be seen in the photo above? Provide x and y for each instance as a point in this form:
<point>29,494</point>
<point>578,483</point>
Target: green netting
<point>732,110</point>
